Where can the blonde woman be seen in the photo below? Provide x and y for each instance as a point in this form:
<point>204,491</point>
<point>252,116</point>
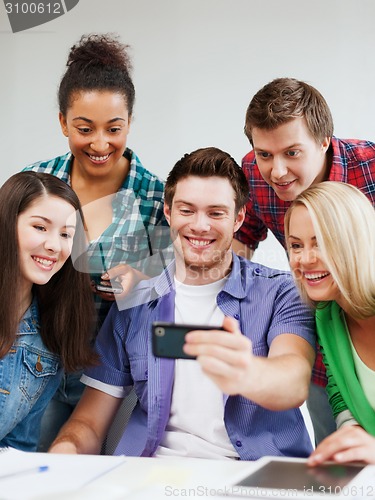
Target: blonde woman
<point>330,233</point>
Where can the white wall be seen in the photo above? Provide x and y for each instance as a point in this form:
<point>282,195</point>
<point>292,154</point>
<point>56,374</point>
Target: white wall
<point>197,63</point>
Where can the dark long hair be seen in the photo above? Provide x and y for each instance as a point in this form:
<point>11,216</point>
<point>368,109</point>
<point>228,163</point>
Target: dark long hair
<point>66,307</point>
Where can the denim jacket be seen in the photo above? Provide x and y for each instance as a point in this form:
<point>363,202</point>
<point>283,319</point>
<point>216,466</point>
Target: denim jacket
<point>29,377</point>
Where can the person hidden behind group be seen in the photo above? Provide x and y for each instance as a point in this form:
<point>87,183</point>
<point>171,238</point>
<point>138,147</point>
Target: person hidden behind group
<point>290,127</point>
<point>121,200</point>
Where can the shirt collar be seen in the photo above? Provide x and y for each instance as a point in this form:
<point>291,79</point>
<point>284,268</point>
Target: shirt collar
<point>337,172</point>
<point>30,320</point>
<point>234,285</point>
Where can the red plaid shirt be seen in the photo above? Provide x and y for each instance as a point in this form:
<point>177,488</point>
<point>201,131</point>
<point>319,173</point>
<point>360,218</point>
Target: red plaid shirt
<point>353,162</point>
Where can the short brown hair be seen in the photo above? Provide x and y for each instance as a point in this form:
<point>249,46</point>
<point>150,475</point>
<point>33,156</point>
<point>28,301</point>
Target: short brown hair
<point>209,162</point>
<point>284,99</point>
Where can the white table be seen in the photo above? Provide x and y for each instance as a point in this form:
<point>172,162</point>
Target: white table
<point>162,478</point>
<point>89,477</point>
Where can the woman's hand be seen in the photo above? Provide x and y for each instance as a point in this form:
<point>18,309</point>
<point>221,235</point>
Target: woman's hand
<point>348,444</point>
<point>124,274</point>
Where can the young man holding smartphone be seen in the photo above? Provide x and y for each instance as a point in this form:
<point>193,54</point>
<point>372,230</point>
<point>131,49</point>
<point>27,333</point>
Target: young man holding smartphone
<point>239,399</point>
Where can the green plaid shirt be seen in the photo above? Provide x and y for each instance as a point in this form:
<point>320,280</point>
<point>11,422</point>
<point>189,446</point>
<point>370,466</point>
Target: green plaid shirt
<point>139,230</point>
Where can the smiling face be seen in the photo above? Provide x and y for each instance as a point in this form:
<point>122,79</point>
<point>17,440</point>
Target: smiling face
<point>97,125</point>
<point>45,237</point>
<point>289,159</point>
<point>305,259</point>
<point>202,220</point>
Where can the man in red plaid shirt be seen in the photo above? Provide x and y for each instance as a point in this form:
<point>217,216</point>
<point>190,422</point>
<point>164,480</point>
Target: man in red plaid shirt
<point>290,128</point>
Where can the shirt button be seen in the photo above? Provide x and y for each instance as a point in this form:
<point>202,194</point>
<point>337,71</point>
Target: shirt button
<point>146,373</point>
<point>236,316</point>
<point>38,365</point>
<point>239,444</point>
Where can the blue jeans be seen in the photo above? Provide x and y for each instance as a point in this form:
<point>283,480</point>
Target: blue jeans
<point>320,412</point>
<point>60,408</point>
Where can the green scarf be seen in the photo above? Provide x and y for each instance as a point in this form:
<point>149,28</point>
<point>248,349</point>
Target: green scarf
<point>344,390</point>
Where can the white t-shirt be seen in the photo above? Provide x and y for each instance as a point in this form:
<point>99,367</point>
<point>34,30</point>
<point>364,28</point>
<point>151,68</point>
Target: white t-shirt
<point>366,376</point>
<point>196,424</point>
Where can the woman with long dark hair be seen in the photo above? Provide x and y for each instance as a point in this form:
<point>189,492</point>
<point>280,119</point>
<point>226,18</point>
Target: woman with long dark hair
<point>46,305</point>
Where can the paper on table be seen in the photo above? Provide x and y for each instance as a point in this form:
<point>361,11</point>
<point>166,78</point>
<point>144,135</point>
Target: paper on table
<point>65,473</point>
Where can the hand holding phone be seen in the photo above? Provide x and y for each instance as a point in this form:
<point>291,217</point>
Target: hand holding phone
<point>107,286</point>
<point>168,338</point>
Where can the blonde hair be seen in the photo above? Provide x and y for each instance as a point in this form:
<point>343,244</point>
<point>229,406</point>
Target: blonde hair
<point>344,223</point>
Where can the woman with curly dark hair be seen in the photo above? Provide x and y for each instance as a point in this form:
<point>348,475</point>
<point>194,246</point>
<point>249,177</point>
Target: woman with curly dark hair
<point>122,201</point>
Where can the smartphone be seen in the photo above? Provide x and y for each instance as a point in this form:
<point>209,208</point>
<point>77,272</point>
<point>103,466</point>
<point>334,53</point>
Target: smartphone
<point>168,338</point>
<point>106,285</point>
